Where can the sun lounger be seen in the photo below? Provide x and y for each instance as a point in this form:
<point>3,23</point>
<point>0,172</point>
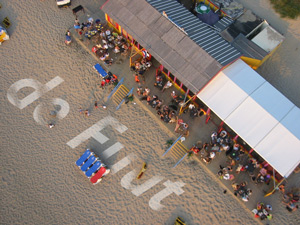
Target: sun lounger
<point>84,157</point>
<point>88,163</point>
<point>93,168</point>
<point>97,177</point>
<point>100,70</point>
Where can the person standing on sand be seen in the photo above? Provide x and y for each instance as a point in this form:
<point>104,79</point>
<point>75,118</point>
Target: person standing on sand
<point>291,206</point>
<point>51,125</point>
<point>87,113</point>
<point>80,110</point>
<point>96,105</point>
<point>136,78</point>
<point>68,38</point>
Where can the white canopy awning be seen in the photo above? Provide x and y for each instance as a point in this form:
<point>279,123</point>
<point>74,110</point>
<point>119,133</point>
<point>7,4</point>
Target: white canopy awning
<point>258,113</point>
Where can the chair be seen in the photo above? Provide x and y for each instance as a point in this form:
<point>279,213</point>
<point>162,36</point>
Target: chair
<point>93,168</point>
<point>98,176</point>
<point>88,163</point>
<point>84,157</point>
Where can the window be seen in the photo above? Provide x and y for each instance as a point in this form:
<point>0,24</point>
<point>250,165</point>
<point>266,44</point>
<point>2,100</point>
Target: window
<point>124,32</point>
<point>178,82</point>
<point>191,94</point>
<point>113,22</point>
<point>140,46</point>
<point>184,88</point>
<point>130,37</point>
<point>165,71</point>
<point>172,77</point>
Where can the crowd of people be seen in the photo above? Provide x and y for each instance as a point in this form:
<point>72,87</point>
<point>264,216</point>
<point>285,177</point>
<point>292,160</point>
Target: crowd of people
<point>263,211</point>
<point>218,143</point>
<point>222,142</point>
<point>140,67</point>
<point>290,198</point>
<point>109,79</point>
<point>104,39</point>
<point>258,172</point>
<point>242,191</point>
<point>167,113</point>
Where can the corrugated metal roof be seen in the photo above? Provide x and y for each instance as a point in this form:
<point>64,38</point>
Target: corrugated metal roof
<point>186,60</point>
<point>204,35</point>
<point>249,48</point>
<point>223,23</point>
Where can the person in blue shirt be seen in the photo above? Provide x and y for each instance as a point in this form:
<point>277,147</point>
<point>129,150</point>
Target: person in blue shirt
<point>68,38</point>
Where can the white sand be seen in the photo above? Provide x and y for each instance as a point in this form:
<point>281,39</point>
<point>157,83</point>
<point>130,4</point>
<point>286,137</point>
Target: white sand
<point>40,183</point>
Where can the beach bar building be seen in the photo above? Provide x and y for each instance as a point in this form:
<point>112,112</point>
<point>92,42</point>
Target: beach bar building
<point>265,119</point>
<point>189,57</point>
<point>247,32</point>
<point>200,61</point>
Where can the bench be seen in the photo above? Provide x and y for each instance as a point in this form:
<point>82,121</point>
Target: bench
<point>77,9</point>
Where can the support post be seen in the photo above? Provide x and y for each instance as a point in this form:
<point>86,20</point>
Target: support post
<point>185,103</point>
<point>220,127</point>
<point>207,115</point>
<point>275,188</point>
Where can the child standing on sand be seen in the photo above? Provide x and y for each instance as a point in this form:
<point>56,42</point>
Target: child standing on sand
<point>68,38</point>
<point>80,110</point>
<point>87,113</point>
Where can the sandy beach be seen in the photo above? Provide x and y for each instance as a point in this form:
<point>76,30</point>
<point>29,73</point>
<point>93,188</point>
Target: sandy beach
<point>40,183</point>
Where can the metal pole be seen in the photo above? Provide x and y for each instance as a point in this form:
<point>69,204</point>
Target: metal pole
<point>172,145</point>
<point>275,188</point>
<point>185,102</point>
<point>180,160</point>
<point>274,178</point>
